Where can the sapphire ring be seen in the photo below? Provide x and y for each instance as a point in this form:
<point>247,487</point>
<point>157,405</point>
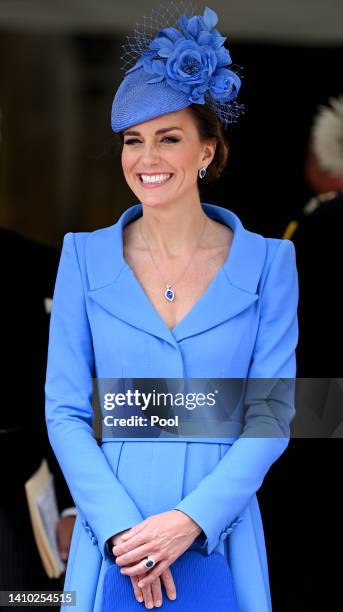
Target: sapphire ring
<point>149,563</point>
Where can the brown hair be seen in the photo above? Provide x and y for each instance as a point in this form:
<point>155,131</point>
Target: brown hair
<point>209,126</point>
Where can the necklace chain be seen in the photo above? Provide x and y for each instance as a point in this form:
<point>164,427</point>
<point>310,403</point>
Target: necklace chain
<point>168,293</point>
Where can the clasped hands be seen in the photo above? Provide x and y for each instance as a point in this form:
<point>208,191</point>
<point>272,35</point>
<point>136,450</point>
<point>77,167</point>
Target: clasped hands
<point>164,537</point>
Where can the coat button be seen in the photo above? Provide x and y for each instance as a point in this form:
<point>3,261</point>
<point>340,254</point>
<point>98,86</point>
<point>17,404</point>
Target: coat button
<point>94,540</point>
<point>225,533</point>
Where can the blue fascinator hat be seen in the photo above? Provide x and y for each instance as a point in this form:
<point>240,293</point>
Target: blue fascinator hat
<point>176,66</point>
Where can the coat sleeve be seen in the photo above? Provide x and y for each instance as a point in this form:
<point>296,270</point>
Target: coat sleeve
<point>218,500</point>
<point>98,494</point>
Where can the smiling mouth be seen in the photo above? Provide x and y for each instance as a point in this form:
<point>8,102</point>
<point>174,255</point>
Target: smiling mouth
<point>154,179</point>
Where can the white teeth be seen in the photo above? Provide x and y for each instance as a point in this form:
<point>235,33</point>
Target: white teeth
<point>155,178</point>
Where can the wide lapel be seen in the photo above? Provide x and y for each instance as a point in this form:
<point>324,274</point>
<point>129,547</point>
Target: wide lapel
<point>234,287</point>
<point>114,286</point>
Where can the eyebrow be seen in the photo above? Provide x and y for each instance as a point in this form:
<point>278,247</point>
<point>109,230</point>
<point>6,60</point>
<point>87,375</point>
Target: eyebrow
<point>162,131</point>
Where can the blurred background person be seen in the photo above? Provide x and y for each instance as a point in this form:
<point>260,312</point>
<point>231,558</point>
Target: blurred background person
<point>317,235</point>
<point>314,455</point>
<point>27,270</point>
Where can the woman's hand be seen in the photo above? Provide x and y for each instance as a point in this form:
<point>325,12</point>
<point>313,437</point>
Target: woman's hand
<point>152,593</point>
<point>163,536</point>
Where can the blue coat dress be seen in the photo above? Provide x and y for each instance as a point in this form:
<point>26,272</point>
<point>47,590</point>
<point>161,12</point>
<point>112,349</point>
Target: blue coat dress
<point>104,325</point>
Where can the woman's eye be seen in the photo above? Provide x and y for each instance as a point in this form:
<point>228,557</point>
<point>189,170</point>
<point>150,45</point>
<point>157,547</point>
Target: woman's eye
<point>133,140</point>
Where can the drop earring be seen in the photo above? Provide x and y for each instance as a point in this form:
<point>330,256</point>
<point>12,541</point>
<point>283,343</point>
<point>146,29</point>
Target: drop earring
<point>202,173</point>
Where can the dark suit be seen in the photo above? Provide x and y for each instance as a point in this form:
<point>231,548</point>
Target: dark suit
<point>28,271</point>
<point>318,242</point>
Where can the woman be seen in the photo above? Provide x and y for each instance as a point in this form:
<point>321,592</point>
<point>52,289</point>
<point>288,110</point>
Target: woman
<point>175,288</point>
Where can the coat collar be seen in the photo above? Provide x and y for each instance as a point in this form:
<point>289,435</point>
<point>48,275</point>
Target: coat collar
<point>114,286</point>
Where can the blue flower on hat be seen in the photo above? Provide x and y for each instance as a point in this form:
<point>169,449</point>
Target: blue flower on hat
<point>192,60</point>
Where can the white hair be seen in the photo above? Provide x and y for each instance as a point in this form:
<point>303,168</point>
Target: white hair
<point>327,136</point>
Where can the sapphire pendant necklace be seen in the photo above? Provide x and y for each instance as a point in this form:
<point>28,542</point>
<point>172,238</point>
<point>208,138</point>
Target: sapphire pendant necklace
<point>169,293</point>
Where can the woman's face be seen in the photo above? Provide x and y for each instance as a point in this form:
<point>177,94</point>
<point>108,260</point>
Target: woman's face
<point>161,158</point>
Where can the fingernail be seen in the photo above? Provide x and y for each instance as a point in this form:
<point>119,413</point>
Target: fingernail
<point>122,571</point>
<point>141,584</point>
<point>172,595</point>
<point>140,599</point>
<point>158,603</point>
<point>150,605</point>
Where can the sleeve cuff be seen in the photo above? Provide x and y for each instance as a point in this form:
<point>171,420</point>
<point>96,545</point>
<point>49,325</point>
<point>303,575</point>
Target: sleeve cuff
<point>209,538</point>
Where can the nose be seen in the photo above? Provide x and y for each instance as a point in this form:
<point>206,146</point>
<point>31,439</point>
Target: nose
<point>150,154</point>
